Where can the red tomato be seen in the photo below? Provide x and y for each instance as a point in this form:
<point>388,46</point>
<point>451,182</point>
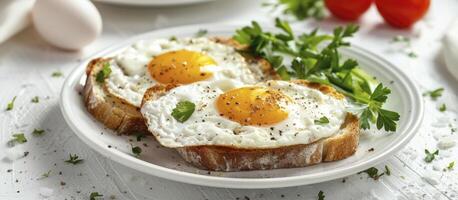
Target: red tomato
<point>348,9</point>
<point>402,13</point>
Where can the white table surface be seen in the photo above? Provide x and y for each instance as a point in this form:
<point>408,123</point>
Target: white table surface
<point>27,62</point>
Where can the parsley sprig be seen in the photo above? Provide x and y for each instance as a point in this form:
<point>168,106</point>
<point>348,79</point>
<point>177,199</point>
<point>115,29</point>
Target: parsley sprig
<point>316,58</point>
<point>103,73</point>
<point>430,156</point>
<point>74,159</point>
<point>183,111</point>
<point>301,9</point>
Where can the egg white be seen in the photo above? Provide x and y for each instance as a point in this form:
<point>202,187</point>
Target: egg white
<point>207,127</point>
<point>130,78</point>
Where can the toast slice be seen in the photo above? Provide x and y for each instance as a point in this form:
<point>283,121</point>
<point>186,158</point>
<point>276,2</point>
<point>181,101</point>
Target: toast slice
<point>227,158</point>
<point>125,118</point>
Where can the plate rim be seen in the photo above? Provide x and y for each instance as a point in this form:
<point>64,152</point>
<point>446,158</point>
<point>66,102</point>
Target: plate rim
<point>230,182</point>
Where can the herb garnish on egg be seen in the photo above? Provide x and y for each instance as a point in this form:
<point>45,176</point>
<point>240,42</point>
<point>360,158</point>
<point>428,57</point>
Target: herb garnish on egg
<point>183,110</point>
<point>322,120</point>
<point>104,73</point>
<point>321,65</point>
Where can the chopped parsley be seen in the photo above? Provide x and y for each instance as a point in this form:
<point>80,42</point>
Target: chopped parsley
<point>35,99</point>
<point>183,110</point>
<point>57,74</point>
<point>322,120</point>
<point>201,33</point>
<point>19,138</point>
<point>400,38</point>
<point>412,54</point>
<point>95,196</point>
<point>301,9</point>
<point>321,65</point>
<point>74,159</point>
<point>38,132</point>
<point>104,73</point>
<point>434,94</point>
<point>136,150</point>
<point>140,136</point>
<point>373,173</point>
<point>430,156</point>
<point>451,165</point>
<point>387,170</point>
<point>321,195</point>
<point>10,105</point>
<point>443,107</point>
<point>46,174</point>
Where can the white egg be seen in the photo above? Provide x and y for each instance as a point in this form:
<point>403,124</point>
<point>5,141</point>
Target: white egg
<point>208,125</point>
<point>130,77</point>
<point>67,24</point>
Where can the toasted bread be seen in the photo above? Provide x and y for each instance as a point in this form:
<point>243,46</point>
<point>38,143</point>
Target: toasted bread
<point>125,118</point>
<point>227,158</point>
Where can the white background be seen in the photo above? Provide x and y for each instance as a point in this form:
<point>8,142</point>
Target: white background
<point>27,62</point>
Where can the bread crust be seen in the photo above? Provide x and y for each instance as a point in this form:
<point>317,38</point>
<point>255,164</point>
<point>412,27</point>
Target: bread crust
<point>227,158</point>
<point>117,114</point>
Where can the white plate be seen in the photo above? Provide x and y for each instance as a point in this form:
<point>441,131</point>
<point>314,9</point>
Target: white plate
<point>166,163</point>
<point>152,2</point>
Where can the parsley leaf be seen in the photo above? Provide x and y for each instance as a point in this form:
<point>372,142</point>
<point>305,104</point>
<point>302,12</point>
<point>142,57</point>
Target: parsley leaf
<point>35,99</point>
<point>38,132</point>
<point>434,94</point>
<point>321,195</point>
<point>373,173</point>
<point>430,156</point>
<point>74,159</point>
<point>10,105</point>
<point>316,58</point>
<point>322,120</point>
<point>387,170</point>
<point>443,108</point>
<point>136,150</point>
<point>201,33</point>
<point>19,138</point>
<point>45,175</point>
<point>95,196</point>
<point>183,110</point>
<point>140,136</point>
<point>303,9</point>
<point>57,74</point>
<point>104,73</point>
<point>451,165</point>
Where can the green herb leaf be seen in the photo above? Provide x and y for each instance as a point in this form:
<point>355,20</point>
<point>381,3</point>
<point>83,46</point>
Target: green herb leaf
<point>201,33</point>
<point>35,99</point>
<point>412,54</point>
<point>303,9</point>
<point>140,136</point>
<point>74,159</point>
<point>373,173</point>
<point>45,175</point>
<point>173,38</point>
<point>430,156</point>
<point>95,196</point>
<point>136,150</point>
<point>183,111</point>
<point>19,138</point>
<point>104,73</point>
<point>443,107</point>
<point>10,105</point>
<point>451,165</point>
<point>57,74</point>
<point>38,132</point>
<point>387,170</point>
<point>434,94</point>
<point>322,120</point>
<point>321,195</point>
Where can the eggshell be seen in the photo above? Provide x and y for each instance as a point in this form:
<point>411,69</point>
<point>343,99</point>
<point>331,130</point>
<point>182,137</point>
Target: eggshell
<point>67,24</point>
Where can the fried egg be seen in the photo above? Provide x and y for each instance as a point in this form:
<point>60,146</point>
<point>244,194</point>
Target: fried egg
<point>263,115</point>
<point>177,61</point>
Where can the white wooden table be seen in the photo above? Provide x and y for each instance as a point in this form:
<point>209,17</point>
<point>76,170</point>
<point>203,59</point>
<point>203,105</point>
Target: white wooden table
<point>27,62</point>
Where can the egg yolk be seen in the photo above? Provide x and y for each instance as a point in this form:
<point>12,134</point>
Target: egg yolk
<point>253,106</point>
<point>180,67</point>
